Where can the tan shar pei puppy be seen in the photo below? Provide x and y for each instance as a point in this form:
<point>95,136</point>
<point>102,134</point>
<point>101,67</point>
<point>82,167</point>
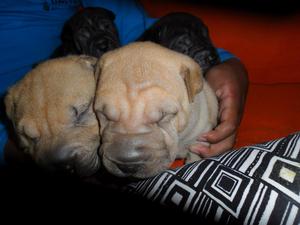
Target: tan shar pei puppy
<point>152,104</point>
<point>52,112</point>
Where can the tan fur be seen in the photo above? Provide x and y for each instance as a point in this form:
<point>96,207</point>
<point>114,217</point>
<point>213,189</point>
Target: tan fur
<point>42,109</point>
<point>152,103</point>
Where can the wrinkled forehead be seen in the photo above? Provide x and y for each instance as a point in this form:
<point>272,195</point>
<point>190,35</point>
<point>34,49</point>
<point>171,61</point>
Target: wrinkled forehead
<point>66,77</point>
<point>139,76</point>
<point>55,86</point>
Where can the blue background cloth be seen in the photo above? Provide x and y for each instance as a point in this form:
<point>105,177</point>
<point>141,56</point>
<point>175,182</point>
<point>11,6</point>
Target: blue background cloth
<point>30,32</point>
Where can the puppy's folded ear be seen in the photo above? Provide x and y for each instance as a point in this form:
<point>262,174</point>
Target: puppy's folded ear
<point>10,103</point>
<point>192,76</point>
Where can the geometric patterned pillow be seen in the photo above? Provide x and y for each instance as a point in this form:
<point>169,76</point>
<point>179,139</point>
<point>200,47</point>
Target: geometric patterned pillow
<point>257,184</point>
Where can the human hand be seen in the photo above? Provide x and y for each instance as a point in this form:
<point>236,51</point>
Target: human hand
<point>229,80</point>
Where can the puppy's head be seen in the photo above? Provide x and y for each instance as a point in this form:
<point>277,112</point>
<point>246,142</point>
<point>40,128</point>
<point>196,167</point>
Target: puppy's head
<point>52,112</point>
<point>143,102</point>
<point>187,34</point>
<point>90,31</point>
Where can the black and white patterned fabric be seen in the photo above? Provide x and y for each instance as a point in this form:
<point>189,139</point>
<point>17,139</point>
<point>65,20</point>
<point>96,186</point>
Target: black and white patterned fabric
<point>257,184</point>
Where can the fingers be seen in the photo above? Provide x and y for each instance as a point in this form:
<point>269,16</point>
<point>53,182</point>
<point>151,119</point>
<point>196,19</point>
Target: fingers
<point>222,138</point>
<point>229,121</point>
<point>229,81</point>
<point>223,131</point>
<point>206,151</point>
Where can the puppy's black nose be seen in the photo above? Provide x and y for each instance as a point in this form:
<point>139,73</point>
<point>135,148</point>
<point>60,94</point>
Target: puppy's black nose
<point>129,149</point>
<point>130,155</point>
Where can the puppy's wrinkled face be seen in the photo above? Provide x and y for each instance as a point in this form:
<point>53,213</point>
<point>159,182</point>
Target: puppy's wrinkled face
<point>90,31</point>
<point>52,112</point>
<point>142,104</point>
<point>184,33</point>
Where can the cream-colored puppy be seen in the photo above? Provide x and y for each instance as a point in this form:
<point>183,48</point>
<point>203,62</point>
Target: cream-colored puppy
<point>52,112</point>
<point>152,104</point>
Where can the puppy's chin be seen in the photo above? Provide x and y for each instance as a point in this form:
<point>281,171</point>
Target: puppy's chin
<point>136,170</point>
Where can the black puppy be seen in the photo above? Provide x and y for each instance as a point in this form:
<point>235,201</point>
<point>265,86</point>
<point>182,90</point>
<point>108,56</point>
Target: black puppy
<point>90,31</point>
<point>184,33</point>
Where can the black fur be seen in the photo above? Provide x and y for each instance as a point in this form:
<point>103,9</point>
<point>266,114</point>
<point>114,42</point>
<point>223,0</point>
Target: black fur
<point>186,34</point>
<point>91,32</point>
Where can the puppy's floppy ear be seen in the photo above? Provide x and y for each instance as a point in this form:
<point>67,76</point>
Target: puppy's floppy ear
<point>192,76</point>
<point>10,103</point>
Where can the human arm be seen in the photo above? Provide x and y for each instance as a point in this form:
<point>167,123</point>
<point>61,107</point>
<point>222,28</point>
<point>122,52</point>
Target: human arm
<point>229,80</point>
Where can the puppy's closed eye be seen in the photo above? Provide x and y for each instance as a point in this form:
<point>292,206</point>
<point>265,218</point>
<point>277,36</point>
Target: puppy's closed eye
<point>166,117</point>
<point>80,113</point>
<point>104,117</point>
<point>108,113</point>
<point>34,140</point>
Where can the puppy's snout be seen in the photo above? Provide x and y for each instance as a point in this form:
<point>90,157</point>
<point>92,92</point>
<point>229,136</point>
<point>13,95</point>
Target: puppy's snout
<point>64,157</point>
<point>129,151</point>
<point>60,160</point>
<point>128,154</point>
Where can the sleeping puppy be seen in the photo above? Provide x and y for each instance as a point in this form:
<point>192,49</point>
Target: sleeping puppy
<point>51,109</point>
<point>90,32</point>
<point>184,33</point>
<point>152,104</point>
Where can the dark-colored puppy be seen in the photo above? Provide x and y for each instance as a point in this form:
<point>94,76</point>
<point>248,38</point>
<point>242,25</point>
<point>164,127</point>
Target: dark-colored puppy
<point>90,32</point>
<point>186,34</point>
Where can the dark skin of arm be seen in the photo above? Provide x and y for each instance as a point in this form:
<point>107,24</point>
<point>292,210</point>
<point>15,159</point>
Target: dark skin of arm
<point>229,80</point>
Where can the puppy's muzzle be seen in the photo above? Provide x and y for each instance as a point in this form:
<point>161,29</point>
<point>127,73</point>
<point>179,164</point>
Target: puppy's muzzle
<point>99,44</point>
<point>130,154</point>
<point>60,159</point>
<point>202,51</point>
<point>67,160</point>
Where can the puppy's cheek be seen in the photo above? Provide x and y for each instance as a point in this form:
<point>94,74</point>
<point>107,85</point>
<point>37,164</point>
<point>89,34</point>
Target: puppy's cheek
<point>26,146</point>
<point>171,141</point>
<point>88,140</point>
<point>180,121</point>
<point>91,140</point>
<point>88,164</point>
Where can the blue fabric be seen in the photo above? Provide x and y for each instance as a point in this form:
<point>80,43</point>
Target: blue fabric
<point>30,31</point>
<point>3,140</point>
<point>224,55</point>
